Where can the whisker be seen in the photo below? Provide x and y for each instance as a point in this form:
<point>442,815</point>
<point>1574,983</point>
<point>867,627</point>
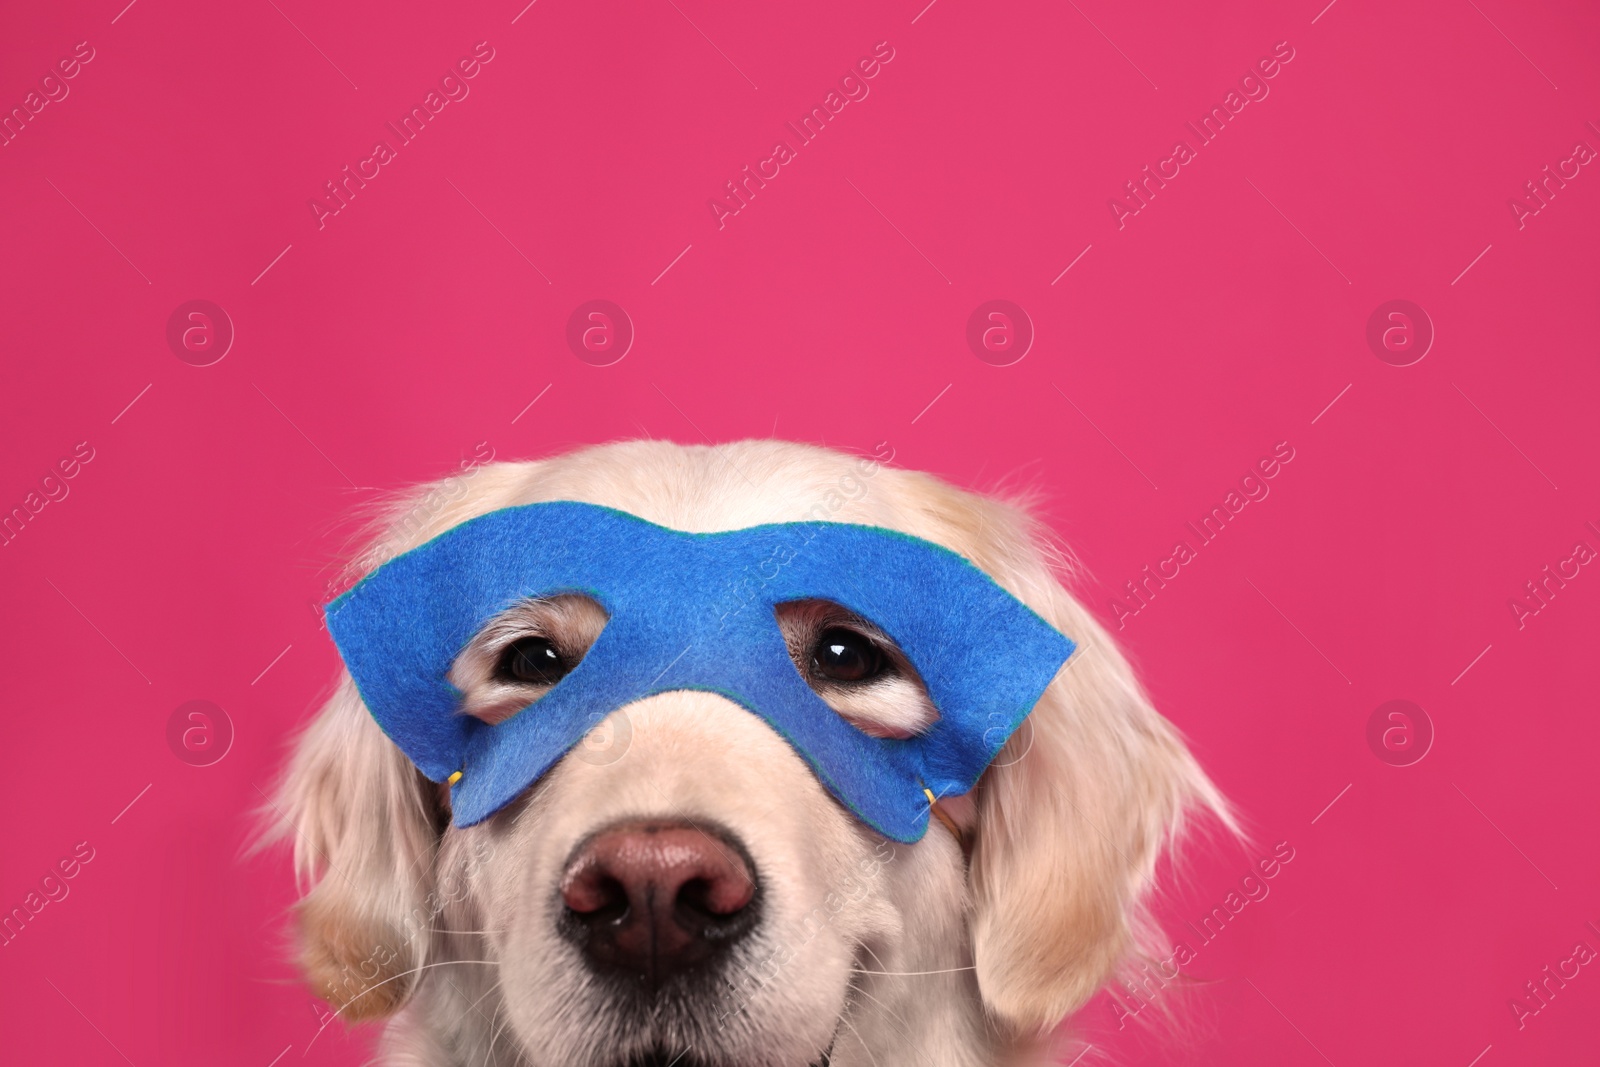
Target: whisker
<point>474,1005</point>
<point>492,1050</point>
<point>845,1019</point>
<point>894,1016</point>
<point>494,1034</point>
<point>904,1027</point>
<point>908,974</point>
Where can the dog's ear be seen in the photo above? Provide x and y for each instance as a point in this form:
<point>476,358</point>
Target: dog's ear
<point>365,823</point>
<point>1078,807</point>
<point>365,827</point>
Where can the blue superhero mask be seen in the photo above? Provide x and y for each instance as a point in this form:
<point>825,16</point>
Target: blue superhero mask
<point>696,612</point>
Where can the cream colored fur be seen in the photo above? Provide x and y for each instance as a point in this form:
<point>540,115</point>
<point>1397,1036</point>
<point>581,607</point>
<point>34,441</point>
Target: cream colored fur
<point>895,955</point>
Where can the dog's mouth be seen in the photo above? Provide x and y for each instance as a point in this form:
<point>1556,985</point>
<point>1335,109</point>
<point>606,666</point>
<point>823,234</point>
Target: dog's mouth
<point>686,1058</point>
<point>662,1058</point>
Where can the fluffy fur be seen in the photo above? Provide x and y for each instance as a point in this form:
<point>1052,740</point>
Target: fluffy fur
<point>869,953</point>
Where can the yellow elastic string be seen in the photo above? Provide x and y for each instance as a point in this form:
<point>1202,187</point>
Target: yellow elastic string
<point>949,823</point>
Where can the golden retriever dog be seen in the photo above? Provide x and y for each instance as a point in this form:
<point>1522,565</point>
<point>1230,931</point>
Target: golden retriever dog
<point>681,889</point>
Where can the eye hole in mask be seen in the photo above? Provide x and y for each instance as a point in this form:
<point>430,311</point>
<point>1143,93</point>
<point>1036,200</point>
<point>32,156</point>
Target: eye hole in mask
<point>856,669</point>
<point>521,654</point>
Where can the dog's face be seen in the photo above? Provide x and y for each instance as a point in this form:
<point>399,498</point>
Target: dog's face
<point>681,888</point>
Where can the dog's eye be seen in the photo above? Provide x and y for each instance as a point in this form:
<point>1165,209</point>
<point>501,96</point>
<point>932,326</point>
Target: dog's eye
<point>531,661</point>
<point>843,655</point>
<point>520,654</point>
<point>856,668</point>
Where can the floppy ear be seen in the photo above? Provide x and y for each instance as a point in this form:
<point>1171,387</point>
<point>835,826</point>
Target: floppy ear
<point>365,825</point>
<point>1079,805</point>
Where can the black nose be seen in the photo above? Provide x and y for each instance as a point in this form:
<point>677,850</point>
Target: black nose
<point>657,898</point>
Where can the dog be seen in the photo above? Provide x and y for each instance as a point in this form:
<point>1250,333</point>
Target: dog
<point>680,888</point>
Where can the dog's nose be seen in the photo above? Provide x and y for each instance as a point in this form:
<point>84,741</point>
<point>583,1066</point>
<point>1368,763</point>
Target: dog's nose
<point>655,898</point>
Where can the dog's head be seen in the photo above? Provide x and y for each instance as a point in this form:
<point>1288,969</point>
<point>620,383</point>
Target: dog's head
<point>681,886</point>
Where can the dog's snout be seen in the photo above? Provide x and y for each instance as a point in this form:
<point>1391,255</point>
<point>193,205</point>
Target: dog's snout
<point>653,899</point>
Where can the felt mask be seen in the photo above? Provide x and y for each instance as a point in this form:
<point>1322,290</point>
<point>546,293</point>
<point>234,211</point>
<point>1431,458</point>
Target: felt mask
<point>694,612</point>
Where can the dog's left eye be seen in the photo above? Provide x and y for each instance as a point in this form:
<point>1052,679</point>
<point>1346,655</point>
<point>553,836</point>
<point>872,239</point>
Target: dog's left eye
<point>843,655</point>
<point>531,661</point>
<point>856,668</point>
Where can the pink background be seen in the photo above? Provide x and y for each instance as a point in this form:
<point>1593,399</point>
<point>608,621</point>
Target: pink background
<point>1226,316</point>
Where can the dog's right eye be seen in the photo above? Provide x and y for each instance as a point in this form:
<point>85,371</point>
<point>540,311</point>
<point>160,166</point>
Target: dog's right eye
<point>531,661</point>
<point>520,654</point>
